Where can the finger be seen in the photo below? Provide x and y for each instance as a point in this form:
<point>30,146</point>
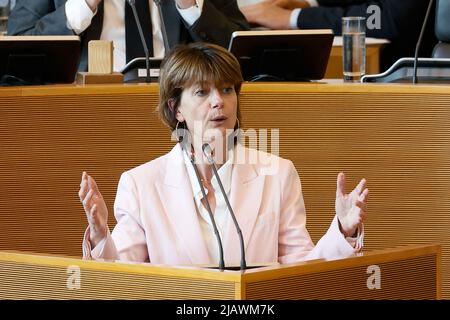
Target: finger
<point>83,177</point>
<point>93,210</point>
<point>340,184</point>
<point>364,195</point>
<point>83,189</point>
<point>361,185</point>
<point>285,4</point>
<point>361,205</point>
<point>247,12</point>
<point>359,216</point>
<point>93,185</point>
<point>251,10</point>
<point>362,217</point>
<point>362,212</point>
<point>83,183</point>
<point>88,198</point>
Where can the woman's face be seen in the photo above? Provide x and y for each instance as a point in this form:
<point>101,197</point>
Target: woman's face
<point>208,110</point>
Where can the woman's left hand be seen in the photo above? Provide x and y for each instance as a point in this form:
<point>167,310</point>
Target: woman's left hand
<point>351,209</point>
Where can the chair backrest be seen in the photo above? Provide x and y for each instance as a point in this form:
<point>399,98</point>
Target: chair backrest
<point>442,23</point>
<point>442,29</point>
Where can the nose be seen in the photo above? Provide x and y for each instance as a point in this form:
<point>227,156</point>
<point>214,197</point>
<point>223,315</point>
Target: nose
<point>216,99</point>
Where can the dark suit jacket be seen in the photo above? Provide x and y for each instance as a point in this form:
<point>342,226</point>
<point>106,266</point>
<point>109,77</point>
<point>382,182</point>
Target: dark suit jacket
<point>343,3</point>
<point>401,22</point>
<point>219,19</point>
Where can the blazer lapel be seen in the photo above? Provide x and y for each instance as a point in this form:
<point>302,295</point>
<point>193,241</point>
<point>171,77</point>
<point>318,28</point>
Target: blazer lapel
<point>245,199</point>
<point>177,196</point>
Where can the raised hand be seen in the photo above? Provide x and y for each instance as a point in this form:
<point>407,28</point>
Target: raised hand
<point>351,209</point>
<point>95,208</point>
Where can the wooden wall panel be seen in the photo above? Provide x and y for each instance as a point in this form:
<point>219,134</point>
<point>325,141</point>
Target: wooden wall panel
<point>399,141</point>
<point>398,137</point>
<point>46,143</point>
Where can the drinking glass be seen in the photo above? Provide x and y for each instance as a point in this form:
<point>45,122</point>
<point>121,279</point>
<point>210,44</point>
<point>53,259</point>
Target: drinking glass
<point>354,48</point>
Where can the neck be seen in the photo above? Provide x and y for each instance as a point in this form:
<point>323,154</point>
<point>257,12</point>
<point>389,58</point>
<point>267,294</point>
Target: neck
<point>205,169</point>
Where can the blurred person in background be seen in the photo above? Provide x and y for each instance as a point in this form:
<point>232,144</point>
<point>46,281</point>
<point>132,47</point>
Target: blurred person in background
<point>186,21</point>
<point>400,21</point>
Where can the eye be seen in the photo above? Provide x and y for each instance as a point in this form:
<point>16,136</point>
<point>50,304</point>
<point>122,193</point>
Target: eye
<point>228,90</point>
<point>200,92</point>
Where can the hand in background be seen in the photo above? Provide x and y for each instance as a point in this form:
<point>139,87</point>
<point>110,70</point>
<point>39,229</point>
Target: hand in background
<point>267,14</point>
<point>351,209</point>
<point>291,4</point>
<point>95,208</point>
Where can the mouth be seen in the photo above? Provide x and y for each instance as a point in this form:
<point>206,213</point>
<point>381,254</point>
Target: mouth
<point>218,119</point>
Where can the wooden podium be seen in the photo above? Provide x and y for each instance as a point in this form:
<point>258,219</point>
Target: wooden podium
<point>412,272</point>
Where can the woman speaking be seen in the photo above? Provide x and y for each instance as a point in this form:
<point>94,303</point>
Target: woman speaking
<point>173,209</point>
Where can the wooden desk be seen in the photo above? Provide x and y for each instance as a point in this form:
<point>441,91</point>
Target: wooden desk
<point>373,50</point>
<point>401,273</point>
<point>398,137</point>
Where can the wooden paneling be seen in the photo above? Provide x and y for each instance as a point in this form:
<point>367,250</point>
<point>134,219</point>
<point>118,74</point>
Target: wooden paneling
<point>39,277</point>
<point>398,137</point>
<point>47,141</point>
<point>411,279</point>
<point>411,272</point>
<point>398,140</point>
<point>403,273</point>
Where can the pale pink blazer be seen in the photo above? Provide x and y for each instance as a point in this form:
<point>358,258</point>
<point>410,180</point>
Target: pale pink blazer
<point>157,220</point>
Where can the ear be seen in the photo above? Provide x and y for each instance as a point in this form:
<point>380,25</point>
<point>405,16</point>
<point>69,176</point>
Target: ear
<point>171,103</point>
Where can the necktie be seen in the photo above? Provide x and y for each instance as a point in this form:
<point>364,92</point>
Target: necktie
<point>133,44</point>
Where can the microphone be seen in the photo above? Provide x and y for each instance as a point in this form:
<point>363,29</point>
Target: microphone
<point>163,27</point>
<point>208,208</point>
<point>207,151</point>
<point>419,42</point>
<point>132,3</point>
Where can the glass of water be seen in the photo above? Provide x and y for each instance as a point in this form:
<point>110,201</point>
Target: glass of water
<point>354,48</point>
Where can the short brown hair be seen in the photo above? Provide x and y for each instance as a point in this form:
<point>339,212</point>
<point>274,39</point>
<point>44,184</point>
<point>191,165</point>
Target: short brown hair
<point>194,63</point>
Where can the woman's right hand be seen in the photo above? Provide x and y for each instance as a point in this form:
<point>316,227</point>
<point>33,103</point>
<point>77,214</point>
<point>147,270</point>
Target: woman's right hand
<point>95,208</point>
